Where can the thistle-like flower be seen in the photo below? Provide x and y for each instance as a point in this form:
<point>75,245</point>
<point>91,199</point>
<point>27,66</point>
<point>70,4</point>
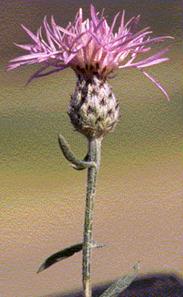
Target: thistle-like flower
<point>94,51</point>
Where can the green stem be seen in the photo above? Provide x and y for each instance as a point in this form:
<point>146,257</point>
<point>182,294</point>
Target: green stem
<point>94,153</point>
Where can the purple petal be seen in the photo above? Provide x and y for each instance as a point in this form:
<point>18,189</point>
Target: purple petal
<point>27,47</point>
<point>132,38</point>
<point>155,62</point>
<point>122,20</point>
<point>156,83</point>
<point>52,71</point>
<point>153,40</point>
<point>93,15</point>
<point>114,22</point>
<point>65,31</point>
<point>35,75</point>
<point>28,57</point>
<point>152,60</point>
<point>70,57</point>
<point>33,36</point>
<point>40,72</point>
<point>132,21</point>
<point>48,33</point>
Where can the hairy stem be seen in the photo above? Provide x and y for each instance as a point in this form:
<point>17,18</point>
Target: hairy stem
<point>94,156</point>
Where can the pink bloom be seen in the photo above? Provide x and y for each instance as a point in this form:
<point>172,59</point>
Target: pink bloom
<point>91,47</point>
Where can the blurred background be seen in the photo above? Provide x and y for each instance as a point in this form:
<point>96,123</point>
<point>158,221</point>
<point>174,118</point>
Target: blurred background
<point>138,211</point>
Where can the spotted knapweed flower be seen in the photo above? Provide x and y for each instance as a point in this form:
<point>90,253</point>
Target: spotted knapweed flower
<point>94,50</point>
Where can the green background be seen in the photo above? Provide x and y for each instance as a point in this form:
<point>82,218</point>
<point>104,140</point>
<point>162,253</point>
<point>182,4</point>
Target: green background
<point>139,199</point>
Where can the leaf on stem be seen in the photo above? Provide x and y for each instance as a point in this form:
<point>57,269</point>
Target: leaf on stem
<point>86,159</point>
<point>121,284</point>
<point>61,255</point>
<point>70,156</point>
<point>66,253</point>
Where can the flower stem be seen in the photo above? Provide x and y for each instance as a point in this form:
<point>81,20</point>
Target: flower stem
<point>94,153</point>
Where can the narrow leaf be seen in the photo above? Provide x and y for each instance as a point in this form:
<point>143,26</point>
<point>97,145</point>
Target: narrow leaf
<point>61,255</point>
<point>69,155</point>
<point>121,284</point>
<point>86,159</point>
<point>66,253</point>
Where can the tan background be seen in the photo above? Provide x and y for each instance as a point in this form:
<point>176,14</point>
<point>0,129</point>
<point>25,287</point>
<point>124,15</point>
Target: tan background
<point>139,199</point>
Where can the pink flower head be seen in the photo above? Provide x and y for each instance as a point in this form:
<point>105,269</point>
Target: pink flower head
<point>91,47</point>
